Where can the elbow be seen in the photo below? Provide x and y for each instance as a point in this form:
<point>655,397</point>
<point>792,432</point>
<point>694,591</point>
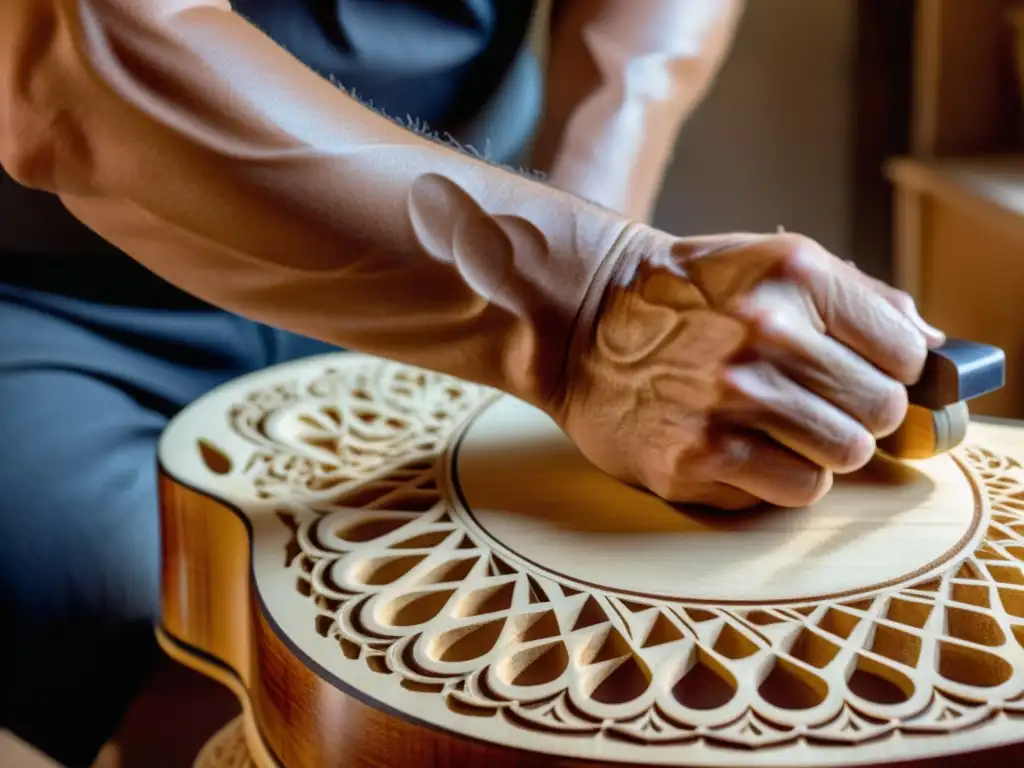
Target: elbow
<point>40,140</point>
<point>27,149</point>
<point>45,147</point>
<point>27,35</point>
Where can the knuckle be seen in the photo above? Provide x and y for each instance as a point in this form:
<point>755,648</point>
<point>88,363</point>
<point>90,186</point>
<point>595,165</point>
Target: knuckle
<point>727,455</point>
<point>670,475</point>
<point>902,301</point>
<point>733,453</point>
<point>770,322</point>
<point>801,252</point>
<point>795,242</point>
<point>658,478</point>
<point>655,478</point>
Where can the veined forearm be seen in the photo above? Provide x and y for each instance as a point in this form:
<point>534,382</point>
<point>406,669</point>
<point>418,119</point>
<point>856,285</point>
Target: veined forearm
<point>623,77</point>
<point>190,140</point>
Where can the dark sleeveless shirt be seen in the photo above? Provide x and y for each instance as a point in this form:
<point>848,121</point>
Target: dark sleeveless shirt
<point>440,61</point>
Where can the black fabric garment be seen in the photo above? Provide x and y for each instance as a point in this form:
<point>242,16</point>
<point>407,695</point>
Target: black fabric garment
<point>437,60</point>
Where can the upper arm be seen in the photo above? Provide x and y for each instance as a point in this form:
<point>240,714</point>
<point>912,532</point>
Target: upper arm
<point>685,29</point>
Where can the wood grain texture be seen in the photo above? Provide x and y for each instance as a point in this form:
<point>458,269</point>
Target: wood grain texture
<point>298,718</point>
<point>959,236</point>
<point>958,214</point>
<point>302,716</point>
<point>882,73</point>
<point>334,553</point>
<point>966,96</point>
<point>926,433</point>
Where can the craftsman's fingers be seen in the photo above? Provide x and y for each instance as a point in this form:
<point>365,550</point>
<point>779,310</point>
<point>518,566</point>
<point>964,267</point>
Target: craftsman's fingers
<point>672,470</point>
<point>756,464</point>
<point>788,334</point>
<point>760,397</point>
<point>704,494</point>
<point>903,301</point>
<point>737,469</point>
<point>855,313</point>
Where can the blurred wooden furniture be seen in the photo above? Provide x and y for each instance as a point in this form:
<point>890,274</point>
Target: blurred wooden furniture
<point>14,753</point>
<point>166,726</point>
<point>959,226</point>
<point>227,748</point>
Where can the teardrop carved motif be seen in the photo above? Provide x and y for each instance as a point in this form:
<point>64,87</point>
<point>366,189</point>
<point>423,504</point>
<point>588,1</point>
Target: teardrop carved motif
<point>404,586</point>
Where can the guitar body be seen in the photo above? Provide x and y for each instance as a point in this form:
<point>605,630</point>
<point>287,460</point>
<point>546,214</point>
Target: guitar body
<point>396,569</point>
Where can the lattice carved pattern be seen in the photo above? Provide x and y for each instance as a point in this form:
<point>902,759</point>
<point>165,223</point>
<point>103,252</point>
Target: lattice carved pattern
<point>354,461</point>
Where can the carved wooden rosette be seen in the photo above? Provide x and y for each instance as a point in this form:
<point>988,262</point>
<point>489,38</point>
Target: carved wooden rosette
<point>371,562</point>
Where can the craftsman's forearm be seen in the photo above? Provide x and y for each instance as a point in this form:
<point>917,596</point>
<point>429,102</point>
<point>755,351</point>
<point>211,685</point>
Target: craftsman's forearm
<point>187,138</point>
<point>623,77</point>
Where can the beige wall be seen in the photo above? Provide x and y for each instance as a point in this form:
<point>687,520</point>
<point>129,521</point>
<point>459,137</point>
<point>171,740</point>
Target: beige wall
<point>771,144</point>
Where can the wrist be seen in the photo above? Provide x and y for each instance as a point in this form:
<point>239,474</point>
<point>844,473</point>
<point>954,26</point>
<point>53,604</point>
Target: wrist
<point>565,252</point>
<point>638,289</point>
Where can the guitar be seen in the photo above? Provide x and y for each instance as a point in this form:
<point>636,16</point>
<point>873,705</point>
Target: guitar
<point>391,567</point>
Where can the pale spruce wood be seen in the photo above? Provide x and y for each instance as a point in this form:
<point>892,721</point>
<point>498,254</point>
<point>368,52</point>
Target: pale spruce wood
<point>905,585</point>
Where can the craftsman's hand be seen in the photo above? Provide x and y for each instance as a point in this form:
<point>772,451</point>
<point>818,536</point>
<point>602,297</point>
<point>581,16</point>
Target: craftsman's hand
<point>735,369</point>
